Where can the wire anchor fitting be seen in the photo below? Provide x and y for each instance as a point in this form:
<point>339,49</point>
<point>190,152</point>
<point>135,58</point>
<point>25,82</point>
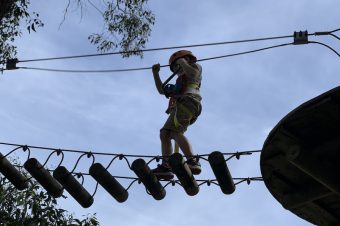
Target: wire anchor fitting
<point>331,33</point>
<point>11,64</point>
<point>300,37</point>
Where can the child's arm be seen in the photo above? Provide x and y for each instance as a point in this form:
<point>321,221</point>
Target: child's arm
<point>158,82</point>
<point>186,67</point>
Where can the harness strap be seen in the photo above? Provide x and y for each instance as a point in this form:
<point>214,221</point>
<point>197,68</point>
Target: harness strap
<point>192,88</point>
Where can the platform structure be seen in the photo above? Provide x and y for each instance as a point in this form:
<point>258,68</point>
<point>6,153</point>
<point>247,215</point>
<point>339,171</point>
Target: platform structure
<point>300,160</point>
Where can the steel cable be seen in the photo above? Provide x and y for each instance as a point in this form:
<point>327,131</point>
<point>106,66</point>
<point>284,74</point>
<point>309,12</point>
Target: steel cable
<point>149,68</point>
<point>157,49</point>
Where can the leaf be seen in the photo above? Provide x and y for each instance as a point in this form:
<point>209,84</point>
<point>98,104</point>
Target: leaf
<point>33,28</point>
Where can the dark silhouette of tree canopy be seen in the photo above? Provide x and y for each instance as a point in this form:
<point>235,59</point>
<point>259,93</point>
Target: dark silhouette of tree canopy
<point>127,25</point>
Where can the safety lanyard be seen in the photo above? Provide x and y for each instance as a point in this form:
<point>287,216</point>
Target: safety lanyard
<point>170,77</point>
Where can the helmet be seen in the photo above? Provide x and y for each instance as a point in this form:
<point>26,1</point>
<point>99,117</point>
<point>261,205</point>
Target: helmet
<point>179,54</point>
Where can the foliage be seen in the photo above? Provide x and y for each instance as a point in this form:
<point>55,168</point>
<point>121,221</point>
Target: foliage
<point>34,207</point>
<point>11,14</point>
<point>128,26</point>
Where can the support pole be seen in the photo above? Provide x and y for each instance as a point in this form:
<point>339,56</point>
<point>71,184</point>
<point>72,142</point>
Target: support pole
<point>76,190</point>
<point>108,182</point>
<point>12,174</point>
<point>222,173</point>
<point>149,180</point>
<point>50,184</point>
<point>183,173</point>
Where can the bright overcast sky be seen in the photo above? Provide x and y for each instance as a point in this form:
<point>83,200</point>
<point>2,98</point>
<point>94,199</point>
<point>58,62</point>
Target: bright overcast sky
<point>244,97</point>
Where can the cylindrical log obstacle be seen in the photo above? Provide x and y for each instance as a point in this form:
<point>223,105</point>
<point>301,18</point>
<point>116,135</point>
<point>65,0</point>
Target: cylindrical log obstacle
<point>12,174</point>
<point>222,173</point>
<point>76,190</point>
<point>183,173</point>
<point>50,184</point>
<point>149,180</point>
<point>108,182</point>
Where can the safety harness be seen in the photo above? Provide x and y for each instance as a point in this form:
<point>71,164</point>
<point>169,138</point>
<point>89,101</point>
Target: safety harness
<point>181,88</point>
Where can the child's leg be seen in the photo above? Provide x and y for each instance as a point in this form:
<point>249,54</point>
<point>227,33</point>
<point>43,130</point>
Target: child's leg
<point>163,171</point>
<point>183,143</point>
<point>166,143</point>
<point>185,146</point>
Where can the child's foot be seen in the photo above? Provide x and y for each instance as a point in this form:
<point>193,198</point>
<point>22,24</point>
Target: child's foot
<point>194,166</point>
<point>163,171</point>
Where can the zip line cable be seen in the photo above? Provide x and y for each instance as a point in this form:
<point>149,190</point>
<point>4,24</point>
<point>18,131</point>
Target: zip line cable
<point>199,60</point>
<point>86,71</point>
<point>180,47</point>
<point>246,52</point>
<point>28,147</point>
<point>327,46</point>
<point>11,64</point>
<point>156,49</point>
<point>149,68</point>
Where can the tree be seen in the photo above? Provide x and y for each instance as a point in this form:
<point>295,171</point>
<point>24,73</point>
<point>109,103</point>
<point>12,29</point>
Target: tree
<point>34,207</point>
<point>127,25</point>
<point>11,13</point>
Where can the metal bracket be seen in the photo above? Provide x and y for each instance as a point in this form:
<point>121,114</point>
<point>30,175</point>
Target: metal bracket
<point>11,64</point>
<point>300,37</point>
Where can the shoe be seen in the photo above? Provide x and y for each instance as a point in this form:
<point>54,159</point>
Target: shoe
<point>194,166</point>
<point>163,171</point>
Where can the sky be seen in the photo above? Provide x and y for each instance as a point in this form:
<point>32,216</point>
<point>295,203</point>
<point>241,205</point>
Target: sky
<point>244,97</point>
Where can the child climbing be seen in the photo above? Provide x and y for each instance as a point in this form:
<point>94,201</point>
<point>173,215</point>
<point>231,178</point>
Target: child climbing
<point>184,109</point>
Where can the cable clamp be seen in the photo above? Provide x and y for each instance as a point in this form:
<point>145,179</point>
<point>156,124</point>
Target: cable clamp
<point>322,33</point>
<point>11,64</point>
<point>300,37</point>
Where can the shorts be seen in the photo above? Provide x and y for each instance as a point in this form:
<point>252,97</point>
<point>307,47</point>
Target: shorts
<point>186,112</point>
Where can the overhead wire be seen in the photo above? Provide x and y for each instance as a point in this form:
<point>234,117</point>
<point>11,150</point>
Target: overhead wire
<point>30,147</point>
<point>149,68</point>
<point>327,46</point>
<point>157,49</point>
<point>199,60</point>
<point>179,47</point>
<point>167,48</point>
